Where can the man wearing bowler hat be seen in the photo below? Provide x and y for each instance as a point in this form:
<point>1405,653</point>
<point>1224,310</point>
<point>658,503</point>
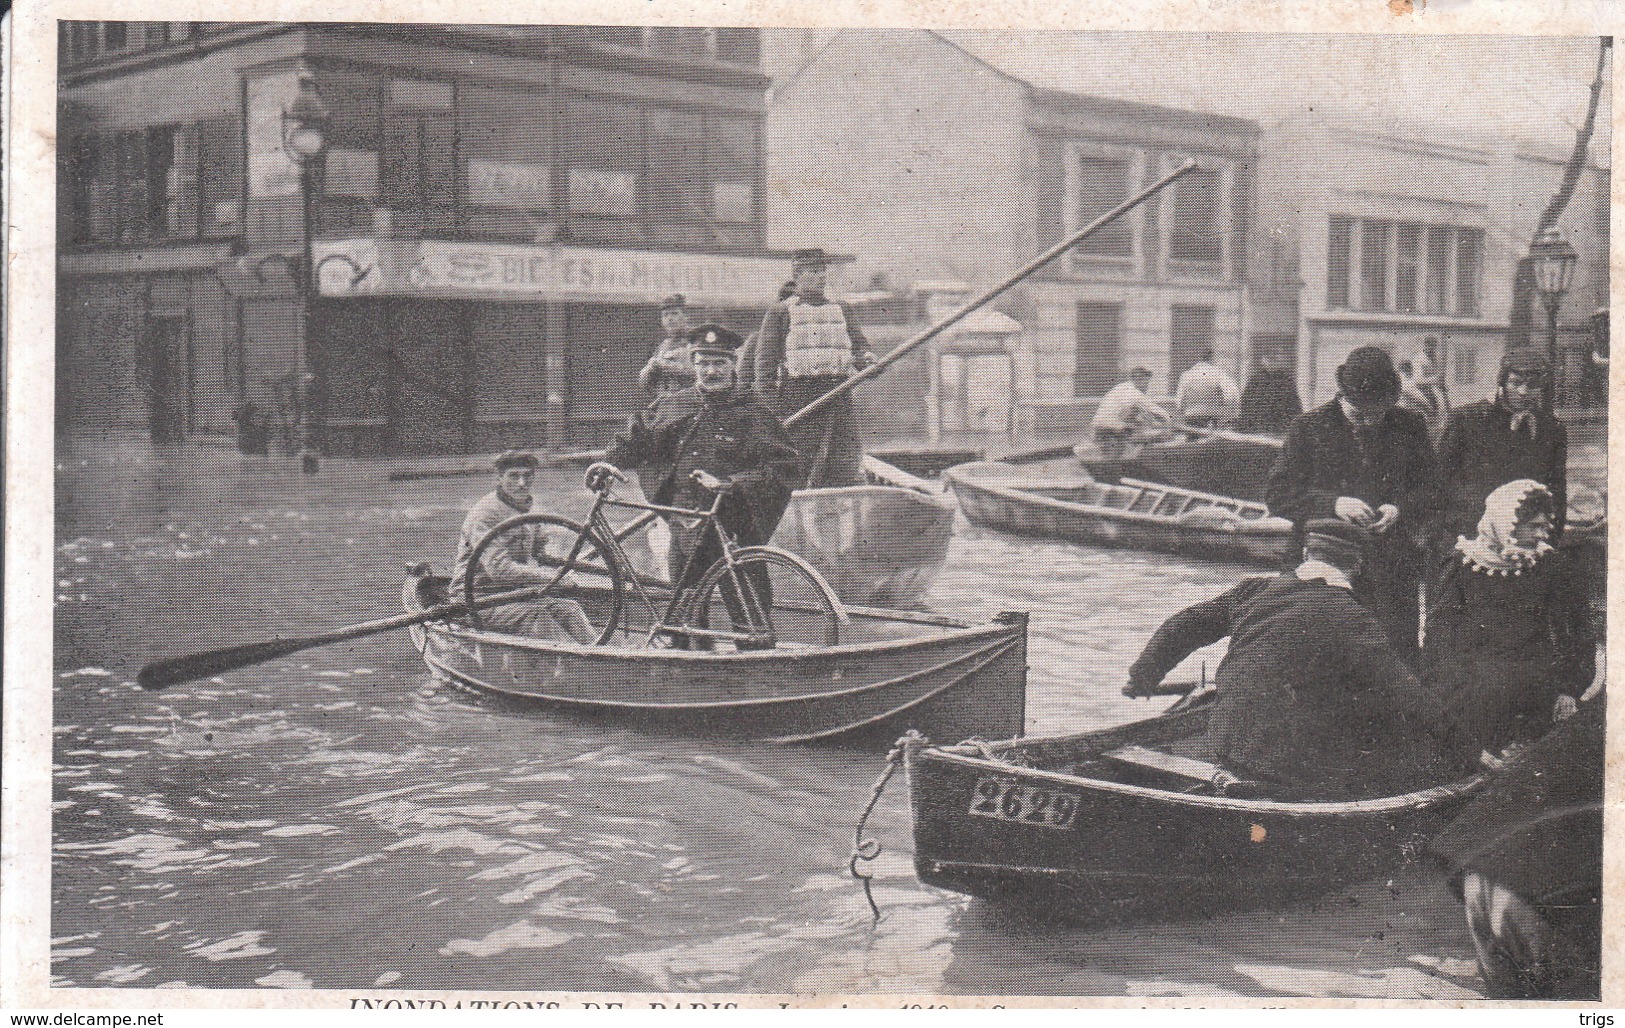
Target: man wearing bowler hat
<point>808,345</point>
<point>1312,700</point>
<point>711,437</point>
<point>1360,459</point>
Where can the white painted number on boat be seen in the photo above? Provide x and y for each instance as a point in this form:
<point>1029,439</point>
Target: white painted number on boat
<point>1010,801</point>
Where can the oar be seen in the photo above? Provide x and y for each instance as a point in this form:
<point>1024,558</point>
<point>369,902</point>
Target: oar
<point>161,674</point>
<point>547,460</point>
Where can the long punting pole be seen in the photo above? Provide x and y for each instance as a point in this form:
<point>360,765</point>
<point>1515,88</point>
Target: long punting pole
<point>1026,269</point>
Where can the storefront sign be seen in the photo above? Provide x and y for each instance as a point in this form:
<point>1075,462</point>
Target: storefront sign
<point>443,268</point>
<point>510,184</point>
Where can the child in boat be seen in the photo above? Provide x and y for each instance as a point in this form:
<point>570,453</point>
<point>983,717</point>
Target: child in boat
<point>509,562</point>
<point>1509,644</point>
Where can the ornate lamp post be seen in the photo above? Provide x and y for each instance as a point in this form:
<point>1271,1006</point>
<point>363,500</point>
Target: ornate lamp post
<point>304,139</point>
<point>1553,260</point>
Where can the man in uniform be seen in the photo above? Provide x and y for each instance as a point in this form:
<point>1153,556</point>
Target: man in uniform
<point>1360,459</point>
<point>708,438</point>
<point>667,370</point>
<point>1492,442</point>
<point>808,345</point>
<point>1311,697</point>
<point>510,561</point>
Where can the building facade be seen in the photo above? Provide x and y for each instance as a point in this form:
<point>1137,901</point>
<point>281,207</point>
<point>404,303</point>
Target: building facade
<point>1368,236</point>
<point>494,219</point>
<point>954,174</point>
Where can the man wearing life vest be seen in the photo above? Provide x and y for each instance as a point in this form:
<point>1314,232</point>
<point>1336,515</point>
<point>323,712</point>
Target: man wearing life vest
<point>807,346</point>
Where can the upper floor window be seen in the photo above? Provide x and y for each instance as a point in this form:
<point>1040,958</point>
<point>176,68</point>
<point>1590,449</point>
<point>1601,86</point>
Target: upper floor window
<point>1097,180</point>
<point>165,182</point>
<point>727,45</point>
<point>1196,227</point>
<point>1403,267</point>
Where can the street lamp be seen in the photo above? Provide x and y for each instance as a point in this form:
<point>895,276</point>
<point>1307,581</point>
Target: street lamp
<point>304,139</point>
<point>1553,261</point>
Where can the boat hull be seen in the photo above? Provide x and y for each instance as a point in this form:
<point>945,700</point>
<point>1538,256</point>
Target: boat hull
<point>1227,463</point>
<point>1134,852</point>
<point>877,545</point>
<point>952,682</point>
<point>991,502</point>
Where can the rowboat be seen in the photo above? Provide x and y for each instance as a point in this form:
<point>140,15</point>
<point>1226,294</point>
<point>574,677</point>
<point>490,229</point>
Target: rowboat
<point>1060,500</point>
<point>889,671</point>
<point>1117,825</point>
<point>1216,461</point>
<point>881,544</point>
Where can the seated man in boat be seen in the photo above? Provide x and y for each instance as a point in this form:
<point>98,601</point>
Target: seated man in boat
<point>1312,698</point>
<point>711,437</point>
<point>1123,412</point>
<point>510,562</point>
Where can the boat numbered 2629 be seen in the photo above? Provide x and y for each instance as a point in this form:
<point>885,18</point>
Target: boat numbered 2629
<point>1008,800</point>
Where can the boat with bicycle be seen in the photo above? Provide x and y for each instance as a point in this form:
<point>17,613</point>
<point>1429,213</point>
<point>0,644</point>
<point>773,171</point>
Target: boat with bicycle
<point>759,648</point>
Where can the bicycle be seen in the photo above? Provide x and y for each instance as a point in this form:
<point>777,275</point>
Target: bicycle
<point>769,596</point>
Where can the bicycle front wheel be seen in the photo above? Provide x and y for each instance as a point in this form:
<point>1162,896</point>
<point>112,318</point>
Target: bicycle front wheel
<point>767,597</point>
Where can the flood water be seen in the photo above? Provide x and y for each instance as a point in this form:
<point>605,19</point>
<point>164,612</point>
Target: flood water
<point>338,820</point>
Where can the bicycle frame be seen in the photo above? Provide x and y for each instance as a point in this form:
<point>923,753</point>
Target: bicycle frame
<point>668,623</point>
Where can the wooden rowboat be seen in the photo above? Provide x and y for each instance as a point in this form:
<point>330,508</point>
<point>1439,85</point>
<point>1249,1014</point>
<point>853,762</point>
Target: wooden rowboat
<point>1215,461</point>
<point>1115,825</point>
<point>891,670</point>
<point>880,544</point>
<point>1059,500</point>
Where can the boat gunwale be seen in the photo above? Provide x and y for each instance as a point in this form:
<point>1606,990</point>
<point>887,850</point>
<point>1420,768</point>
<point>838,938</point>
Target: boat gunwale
<point>1417,800</point>
<point>986,655</point>
<point>1243,527</point>
<point>937,500</point>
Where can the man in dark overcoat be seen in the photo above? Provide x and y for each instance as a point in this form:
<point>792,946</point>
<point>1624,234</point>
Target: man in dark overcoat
<point>1492,442</point>
<point>1311,699</point>
<point>712,437</point>
<point>1361,459</point>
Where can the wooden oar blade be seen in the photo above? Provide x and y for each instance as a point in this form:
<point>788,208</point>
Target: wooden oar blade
<point>161,674</point>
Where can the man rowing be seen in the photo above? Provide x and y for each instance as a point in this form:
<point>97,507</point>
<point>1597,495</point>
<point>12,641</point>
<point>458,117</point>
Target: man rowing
<point>712,437</point>
<point>1312,699</point>
<point>513,561</point>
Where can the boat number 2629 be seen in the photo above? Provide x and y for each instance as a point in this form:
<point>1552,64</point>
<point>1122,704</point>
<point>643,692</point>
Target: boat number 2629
<point>1010,801</point>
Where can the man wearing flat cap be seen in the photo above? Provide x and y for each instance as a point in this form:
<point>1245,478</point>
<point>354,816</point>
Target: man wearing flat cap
<point>710,437</point>
<point>667,370</point>
<point>808,345</point>
<point>1492,442</point>
<point>510,562</point>
<point>1311,700</point>
<point>1362,460</point>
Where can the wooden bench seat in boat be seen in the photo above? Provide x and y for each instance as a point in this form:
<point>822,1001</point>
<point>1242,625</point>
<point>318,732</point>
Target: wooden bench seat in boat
<point>1184,769</point>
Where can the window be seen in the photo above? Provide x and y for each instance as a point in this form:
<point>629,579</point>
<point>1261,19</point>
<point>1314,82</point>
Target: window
<point>1405,267</point>
<point>734,164</point>
<point>678,188</point>
<point>1099,348</point>
<point>602,147</point>
<point>736,46</point>
<point>115,35</point>
<point>1197,232</point>
<point>507,148</point>
<point>417,158</point>
<point>166,182</point>
<point>1100,183</point>
<point>1190,340</point>
<point>1465,360</point>
<point>1337,262</point>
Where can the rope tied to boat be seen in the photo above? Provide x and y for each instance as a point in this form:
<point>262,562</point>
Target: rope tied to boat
<point>867,850</point>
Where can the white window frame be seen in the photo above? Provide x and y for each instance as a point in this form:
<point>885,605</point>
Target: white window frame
<point>1452,235</point>
<point>1078,261</point>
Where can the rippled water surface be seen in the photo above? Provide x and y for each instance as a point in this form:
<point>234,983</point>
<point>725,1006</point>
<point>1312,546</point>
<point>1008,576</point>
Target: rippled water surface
<point>337,820</point>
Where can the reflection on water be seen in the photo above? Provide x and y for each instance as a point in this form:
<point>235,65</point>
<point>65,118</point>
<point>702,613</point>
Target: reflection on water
<point>337,820</point>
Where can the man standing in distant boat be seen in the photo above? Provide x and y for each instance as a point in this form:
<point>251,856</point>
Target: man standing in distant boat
<point>667,370</point>
<point>1311,696</point>
<point>713,437</point>
<point>1123,413</point>
<point>1360,459</point>
<point>808,345</point>
<point>1270,401</point>
<point>1206,395</point>
<point>511,561</point>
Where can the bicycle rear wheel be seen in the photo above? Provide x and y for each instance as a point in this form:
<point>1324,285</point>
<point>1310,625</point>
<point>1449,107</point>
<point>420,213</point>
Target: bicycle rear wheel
<point>601,591</point>
<point>769,596</point>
